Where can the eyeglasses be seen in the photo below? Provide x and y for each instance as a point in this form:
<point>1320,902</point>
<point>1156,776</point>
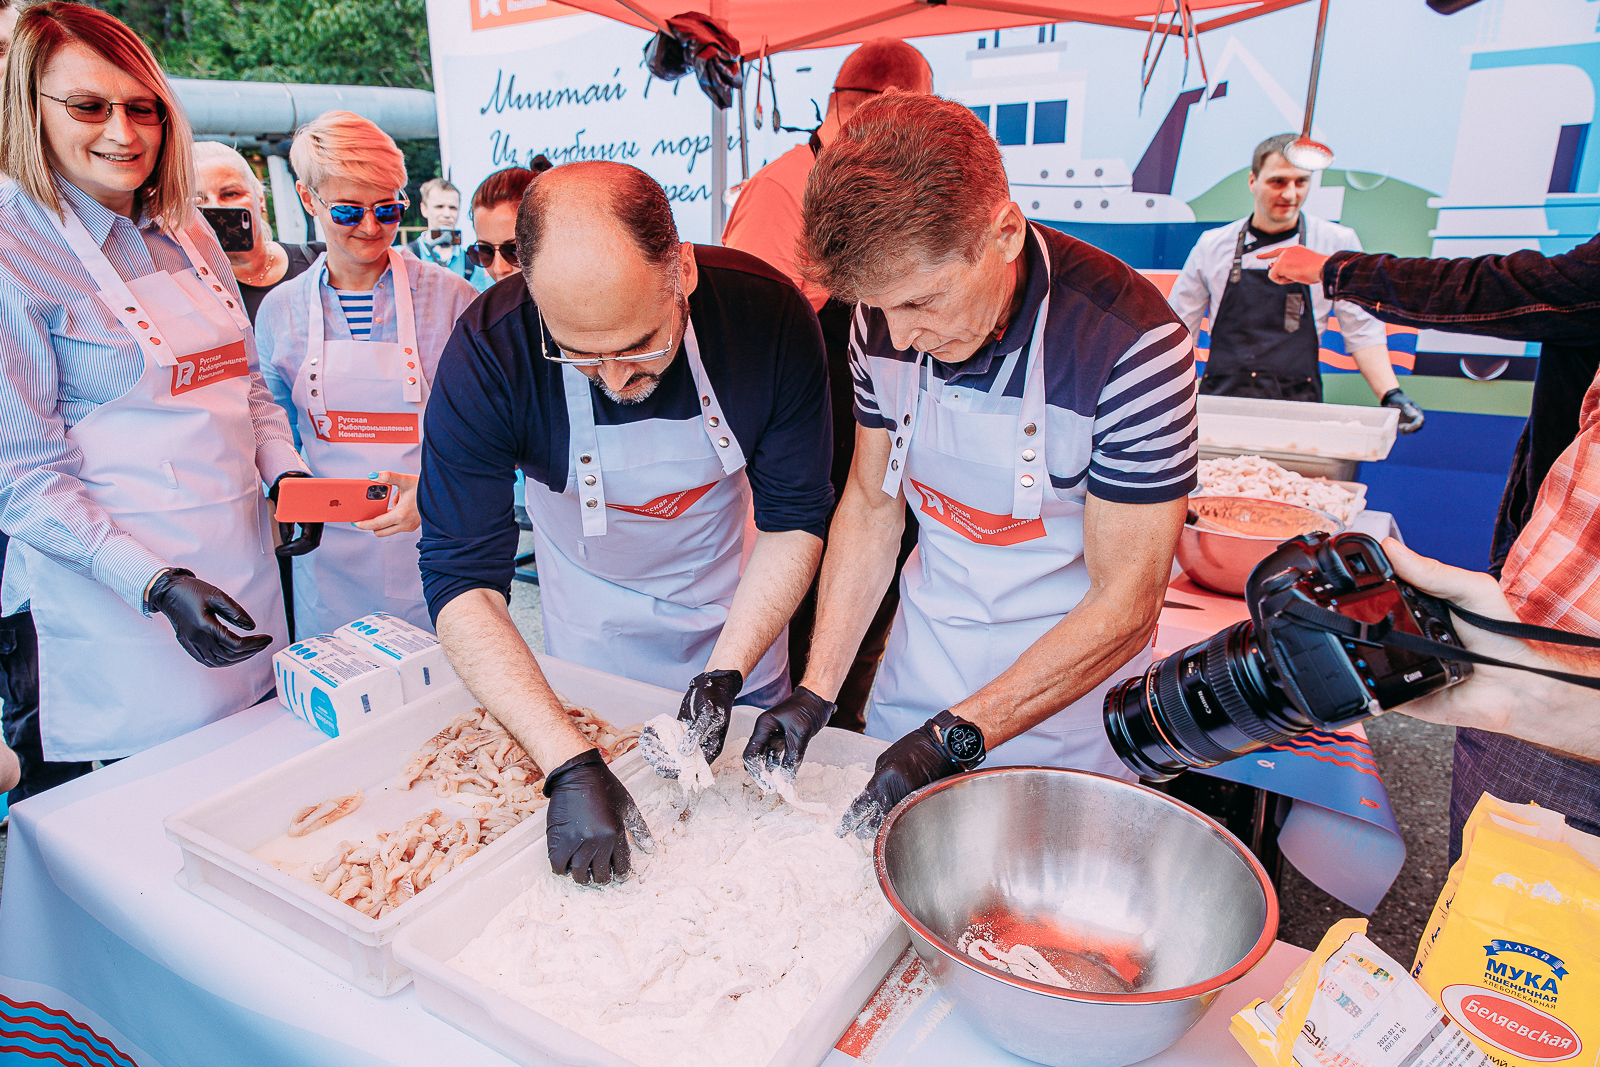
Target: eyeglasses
<point>595,361</point>
<point>385,214</point>
<point>97,110</point>
<point>481,254</point>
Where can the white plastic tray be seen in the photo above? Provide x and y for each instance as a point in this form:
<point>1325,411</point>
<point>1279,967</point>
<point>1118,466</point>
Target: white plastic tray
<point>218,836</point>
<point>1317,439</point>
<point>530,1037</point>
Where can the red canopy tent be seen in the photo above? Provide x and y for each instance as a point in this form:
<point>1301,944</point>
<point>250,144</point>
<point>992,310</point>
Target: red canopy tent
<point>770,26</point>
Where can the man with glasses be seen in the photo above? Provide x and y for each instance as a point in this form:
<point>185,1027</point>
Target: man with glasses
<point>349,348</point>
<point>668,404</point>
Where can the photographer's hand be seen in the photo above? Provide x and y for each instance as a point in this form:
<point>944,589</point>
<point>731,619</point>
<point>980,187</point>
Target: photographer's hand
<point>1526,706</point>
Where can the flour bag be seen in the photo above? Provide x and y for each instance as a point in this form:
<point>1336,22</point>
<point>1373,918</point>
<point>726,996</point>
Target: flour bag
<point>1350,1005</point>
<point>1512,951</point>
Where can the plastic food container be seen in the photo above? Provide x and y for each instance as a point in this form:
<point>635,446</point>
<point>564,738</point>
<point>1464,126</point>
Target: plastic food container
<point>530,1037</point>
<point>221,835</point>
<point>1320,440</point>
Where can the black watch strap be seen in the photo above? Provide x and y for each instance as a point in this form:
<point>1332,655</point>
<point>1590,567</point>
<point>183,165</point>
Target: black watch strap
<point>960,740</point>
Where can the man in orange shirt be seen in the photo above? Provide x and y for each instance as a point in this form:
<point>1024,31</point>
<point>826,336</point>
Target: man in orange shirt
<point>765,222</point>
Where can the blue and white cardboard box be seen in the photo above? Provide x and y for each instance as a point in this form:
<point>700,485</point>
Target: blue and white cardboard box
<point>384,638</point>
<point>333,685</point>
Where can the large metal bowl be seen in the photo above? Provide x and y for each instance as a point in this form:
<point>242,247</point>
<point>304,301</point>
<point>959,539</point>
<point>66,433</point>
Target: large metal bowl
<point>1111,882</point>
<point>1228,535</point>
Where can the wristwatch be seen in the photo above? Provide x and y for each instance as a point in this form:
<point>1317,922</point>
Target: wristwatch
<point>959,739</point>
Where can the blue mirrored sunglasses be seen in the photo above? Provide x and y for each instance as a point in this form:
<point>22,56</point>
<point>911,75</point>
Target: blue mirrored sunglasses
<point>385,214</point>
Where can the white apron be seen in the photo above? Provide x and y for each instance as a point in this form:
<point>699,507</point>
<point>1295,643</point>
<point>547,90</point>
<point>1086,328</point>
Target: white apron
<point>640,556</point>
<point>999,557</point>
<point>359,407</point>
<point>172,461</point>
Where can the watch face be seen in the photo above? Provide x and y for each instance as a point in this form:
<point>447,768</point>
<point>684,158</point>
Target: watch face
<point>965,742</point>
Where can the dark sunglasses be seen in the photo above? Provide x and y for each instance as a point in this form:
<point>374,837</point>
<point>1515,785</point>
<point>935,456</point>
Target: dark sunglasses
<point>482,253</point>
<point>385,214</point>
<point>97,111</point>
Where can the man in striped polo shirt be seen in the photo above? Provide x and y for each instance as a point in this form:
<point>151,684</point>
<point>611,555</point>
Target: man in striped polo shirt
<point>1034,400</point>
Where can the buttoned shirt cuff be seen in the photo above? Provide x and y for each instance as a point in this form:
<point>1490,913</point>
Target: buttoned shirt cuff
<point>1330,272</point>
<point>125,566</point>
<point>273,458</point>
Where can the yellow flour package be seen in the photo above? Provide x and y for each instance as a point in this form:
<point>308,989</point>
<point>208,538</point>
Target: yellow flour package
<point>1512,951</point>
<point>1350,1005</point>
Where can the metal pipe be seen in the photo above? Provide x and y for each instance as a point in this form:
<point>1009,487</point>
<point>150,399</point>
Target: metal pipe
<point>744,142</point>
<point>249,113</point>
<point>1316,67</point>
<point>719,171</point>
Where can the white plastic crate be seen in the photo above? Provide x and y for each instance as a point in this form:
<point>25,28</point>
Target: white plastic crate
<point>530,1037</point>
<point>1325,440</point>
<point>221,835</point>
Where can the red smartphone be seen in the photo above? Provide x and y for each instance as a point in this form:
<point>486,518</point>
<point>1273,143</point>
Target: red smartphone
<point>331,499</point>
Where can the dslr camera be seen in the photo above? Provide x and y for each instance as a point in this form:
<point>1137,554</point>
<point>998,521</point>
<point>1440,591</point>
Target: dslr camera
<point>1285,671</point>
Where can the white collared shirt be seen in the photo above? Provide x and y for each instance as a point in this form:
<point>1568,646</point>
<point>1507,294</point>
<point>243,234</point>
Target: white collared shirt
<point>1198,291</point>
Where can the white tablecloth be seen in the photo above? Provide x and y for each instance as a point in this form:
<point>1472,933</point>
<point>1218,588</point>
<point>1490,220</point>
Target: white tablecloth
<point>97,939</point>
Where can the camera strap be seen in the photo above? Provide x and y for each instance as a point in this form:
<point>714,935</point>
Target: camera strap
<point>1382,634</point>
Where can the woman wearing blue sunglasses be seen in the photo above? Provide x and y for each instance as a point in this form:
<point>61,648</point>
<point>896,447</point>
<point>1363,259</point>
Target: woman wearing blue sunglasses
<point>349,349</point>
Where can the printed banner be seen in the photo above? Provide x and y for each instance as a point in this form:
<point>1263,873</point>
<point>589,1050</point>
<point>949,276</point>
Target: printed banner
<point>368,427</point>
<point>209,367</point>
<point>669,506</point>
<point>981,527</point>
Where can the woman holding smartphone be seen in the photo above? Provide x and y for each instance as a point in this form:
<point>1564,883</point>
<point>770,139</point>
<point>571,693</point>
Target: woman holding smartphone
<point>135,431</point>
<point>234,201</point>
<point>349,349</point>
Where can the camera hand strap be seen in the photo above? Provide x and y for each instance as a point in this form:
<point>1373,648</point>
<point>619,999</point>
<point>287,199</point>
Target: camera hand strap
<point>1384,634</point>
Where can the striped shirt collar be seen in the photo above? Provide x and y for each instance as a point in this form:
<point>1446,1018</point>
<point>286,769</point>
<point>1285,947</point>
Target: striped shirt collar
<point>95,216</point>
<point>1019,331</point>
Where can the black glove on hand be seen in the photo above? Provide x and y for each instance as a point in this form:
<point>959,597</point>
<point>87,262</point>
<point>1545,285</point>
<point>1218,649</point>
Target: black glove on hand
<point>905,766</point>
<point>589,810</point>
<point>194,608</point>
<point>780,736</point>
<point>1411,417</point>
<point>310,532</point>
<point>707,706</point>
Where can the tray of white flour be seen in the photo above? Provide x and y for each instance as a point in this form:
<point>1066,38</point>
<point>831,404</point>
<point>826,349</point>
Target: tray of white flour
<point>751,937</point>
<point>237,855</point>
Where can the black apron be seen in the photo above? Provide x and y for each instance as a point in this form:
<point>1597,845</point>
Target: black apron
<point>1264,338</point>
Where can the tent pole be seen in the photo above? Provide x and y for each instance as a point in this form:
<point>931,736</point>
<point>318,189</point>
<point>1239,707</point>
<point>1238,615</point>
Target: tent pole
<point>744,142</point>
<point>719,170</point>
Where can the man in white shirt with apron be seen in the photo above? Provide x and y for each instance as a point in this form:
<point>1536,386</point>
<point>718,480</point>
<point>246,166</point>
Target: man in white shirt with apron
<point>1265,337</point>
<point>668,404</point>
<point>1033,398</point>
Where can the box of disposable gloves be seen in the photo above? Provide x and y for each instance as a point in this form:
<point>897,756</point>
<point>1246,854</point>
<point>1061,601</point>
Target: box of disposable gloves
<point>413,651</point>
<point>333,685</point>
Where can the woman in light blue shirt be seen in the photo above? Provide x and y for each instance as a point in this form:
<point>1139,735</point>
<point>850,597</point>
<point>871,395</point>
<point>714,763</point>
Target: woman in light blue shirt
<point>349,348</point>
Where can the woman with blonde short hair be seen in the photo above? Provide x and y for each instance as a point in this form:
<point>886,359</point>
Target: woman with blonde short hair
<point>135,432</point>
<point>349,349</point>
<point>226,180</point>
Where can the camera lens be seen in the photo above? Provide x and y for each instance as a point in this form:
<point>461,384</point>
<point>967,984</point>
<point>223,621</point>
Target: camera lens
<point>1209,703</point>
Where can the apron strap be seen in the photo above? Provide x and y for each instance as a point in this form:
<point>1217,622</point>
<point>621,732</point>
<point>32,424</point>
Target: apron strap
<point>218,293</point>
<point>712,421</point>
<point>1029,473</point>
<point>905,422</point>
<point>585,448</point>
<point>114,292</point>
<point>316,342</point>
<point>406,324</point>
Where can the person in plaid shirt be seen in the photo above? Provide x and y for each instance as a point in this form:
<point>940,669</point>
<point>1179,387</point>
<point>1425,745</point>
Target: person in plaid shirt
<point>1548,533</point>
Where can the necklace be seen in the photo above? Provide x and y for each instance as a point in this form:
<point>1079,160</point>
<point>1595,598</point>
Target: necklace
<point>256,278</point>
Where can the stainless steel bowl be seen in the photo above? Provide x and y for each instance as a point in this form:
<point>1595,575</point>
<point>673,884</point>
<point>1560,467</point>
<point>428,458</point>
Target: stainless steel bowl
<point>1234,533</point>
<point>1117,885</point>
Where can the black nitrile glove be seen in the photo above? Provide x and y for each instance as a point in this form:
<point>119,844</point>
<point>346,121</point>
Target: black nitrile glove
<point>589,810</point>
<point>197,610</point>
<point>310,532</point>
<point>903,768</point>
<point>779,738</point>
<point>707,706</point>
<point>1411,417</point>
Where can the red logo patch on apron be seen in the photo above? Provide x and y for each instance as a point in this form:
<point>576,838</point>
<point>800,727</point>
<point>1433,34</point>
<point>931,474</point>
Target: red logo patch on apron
<point>209,367</point>
<point>977,526</point>
<point>666,507</point>
<point>367,427</point>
